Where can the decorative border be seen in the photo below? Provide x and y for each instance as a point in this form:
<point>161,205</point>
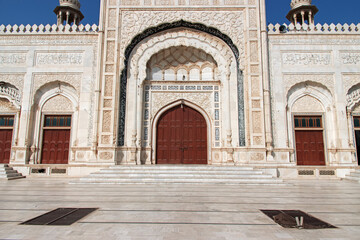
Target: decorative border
<point>148,90</point>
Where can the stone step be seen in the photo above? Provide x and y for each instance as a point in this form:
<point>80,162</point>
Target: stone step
<point>353,179</point>
<point>184,167</point>
<point>355,174</point>
<point>176,175</point>
<point>3,171</point>
<point>183,181</point>
<point>178,171</point>
<point>168,174</point>
<point>9,173</point>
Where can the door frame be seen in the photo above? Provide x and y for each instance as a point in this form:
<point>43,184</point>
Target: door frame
<point>170,106</point>
<point>357,154</point>
<point>323,122</point>
<point>41,137</point>
<point>13,128</point>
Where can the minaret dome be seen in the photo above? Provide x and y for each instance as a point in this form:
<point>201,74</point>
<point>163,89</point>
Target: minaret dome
<point>68,12</point>
<point>302,11</point>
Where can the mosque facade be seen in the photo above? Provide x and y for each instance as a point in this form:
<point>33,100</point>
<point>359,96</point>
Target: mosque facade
<point>181,82</point>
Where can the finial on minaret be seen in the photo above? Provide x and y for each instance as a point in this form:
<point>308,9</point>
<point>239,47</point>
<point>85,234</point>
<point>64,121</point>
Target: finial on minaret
<point>302,12</point>
<point>68,12</point>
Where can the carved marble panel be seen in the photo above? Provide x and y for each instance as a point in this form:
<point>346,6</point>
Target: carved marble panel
<point>304,59</point>
<point>325,79</point>
<point>161,99</point>
<point>307,104</point>
<point>350,80</point>
<point>228,22</point>
<point>12,59</point>
<point>58,103</point>
<point>73,79</point>
<point>6,106</point>
<point>16,79</point>
<point>59,58</point>
<point>350,58</point>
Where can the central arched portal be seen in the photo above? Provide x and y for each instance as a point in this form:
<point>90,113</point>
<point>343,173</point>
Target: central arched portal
<point>181,137</point>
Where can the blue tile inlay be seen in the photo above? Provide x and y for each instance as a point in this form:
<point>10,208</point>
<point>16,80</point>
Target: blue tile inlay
<point>217,114</point>
<point>217,134</point>
<point>216,97</point>
<point>146,115</point>
<point>146,133</point>
<point>173,87</point>
<point>208,88</point>
<point>190,88</point>
<point>155,87</point>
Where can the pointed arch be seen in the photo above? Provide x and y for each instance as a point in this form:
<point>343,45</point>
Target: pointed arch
<point>191,105</point>
<point>137,40</point>
<point>309,88</point>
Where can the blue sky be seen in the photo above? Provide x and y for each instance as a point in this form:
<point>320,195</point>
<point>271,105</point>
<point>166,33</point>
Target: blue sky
<point>41,11</point>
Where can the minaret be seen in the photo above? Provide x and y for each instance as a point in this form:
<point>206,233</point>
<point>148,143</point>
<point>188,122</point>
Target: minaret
<point>302,12</point>
<point>68,12</point>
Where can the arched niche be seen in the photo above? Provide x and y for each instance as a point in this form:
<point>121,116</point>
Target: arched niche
<point>353,98</point>
<point>139,55</point>
<point>310,98</point>
<point>51,98</point>
<point>11,93</point>
<point>181,64</point>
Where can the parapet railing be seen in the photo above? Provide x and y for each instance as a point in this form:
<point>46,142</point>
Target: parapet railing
<point>48,29</point>
<point>314,29</point>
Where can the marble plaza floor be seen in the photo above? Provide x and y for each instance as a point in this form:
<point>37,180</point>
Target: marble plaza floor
<point>178,211</point>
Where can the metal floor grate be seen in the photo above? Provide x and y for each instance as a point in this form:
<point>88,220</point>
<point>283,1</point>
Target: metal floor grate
<point>60,216</point>
<point>296,219</point>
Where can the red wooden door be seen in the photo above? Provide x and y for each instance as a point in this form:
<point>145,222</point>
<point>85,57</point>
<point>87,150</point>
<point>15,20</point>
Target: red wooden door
<point>55,149</point>
<point>181,137</point>
<point>310,147</point>
<point>5,145</point>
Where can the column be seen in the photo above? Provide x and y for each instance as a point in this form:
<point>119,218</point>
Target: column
<point>302,17</point>
<point>139,119</point>
<point>67,17</point>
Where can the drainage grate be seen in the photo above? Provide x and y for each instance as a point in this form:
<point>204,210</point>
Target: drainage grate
<point>327,172</point>
<point>296,219</point>
<point>306,172</point>
<point>58,171</point>
<point>60,216</point>
<point>38,170</point>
